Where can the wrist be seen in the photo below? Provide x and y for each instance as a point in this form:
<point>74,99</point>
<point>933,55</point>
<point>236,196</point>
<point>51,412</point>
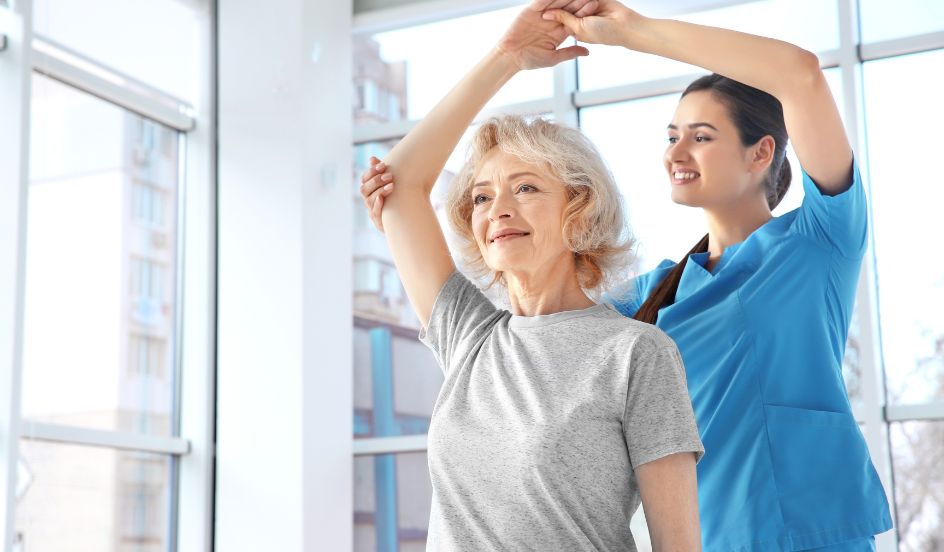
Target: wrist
<point>632,31</point>
<point>503,61</point>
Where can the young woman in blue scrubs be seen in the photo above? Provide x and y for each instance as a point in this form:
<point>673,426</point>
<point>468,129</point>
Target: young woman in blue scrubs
<point>761,306</point>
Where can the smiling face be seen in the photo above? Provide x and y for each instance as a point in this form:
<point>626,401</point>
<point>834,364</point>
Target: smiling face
<point>707,164</point>
<point>517,215</point>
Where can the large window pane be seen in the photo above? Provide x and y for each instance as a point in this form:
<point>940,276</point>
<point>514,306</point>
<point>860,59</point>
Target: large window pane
<point>392,498</point>
<point>155,41</point>
<point>883,20</point>
<point>811,24</point>
<point>902,106</point>
<point>404,73</point>
<point>101,252</point>
<point>77,498</point>
<point>917,449</point>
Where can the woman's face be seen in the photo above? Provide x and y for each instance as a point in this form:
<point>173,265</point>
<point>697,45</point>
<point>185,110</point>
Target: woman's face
<point>517,215</point>
<point>708,166</point>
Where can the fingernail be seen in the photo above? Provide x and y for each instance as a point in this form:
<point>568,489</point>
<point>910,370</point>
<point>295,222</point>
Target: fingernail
<point>386,177</point>
<point>546,16</point>
<point>380,166</point>
<point>388,187</point>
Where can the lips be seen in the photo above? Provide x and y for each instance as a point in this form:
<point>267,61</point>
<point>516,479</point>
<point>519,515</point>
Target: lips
<point>507,234</point>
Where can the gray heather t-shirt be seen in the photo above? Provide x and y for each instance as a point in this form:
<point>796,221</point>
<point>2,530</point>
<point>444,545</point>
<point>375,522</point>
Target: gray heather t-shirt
<point>541,420</point>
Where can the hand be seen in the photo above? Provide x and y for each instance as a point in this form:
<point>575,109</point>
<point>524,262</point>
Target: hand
<point>376,184</point>
<point>609,24</point>
<point>531,42</point>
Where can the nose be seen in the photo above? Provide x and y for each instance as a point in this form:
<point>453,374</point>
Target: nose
<point>677,152</point>
<point>502,207</point>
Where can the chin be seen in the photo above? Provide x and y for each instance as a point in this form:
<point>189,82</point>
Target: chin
<point>685,199</point>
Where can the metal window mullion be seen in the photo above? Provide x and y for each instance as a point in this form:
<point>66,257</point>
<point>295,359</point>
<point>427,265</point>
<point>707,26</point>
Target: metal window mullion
<point>931,411</point>
<point>565,86</point>
<point>97,85</point>
<point>195,351</point>
<point>395,130</point>
<point>902,46</point>
<point>41,431</point>
<point>16,22</point>
<point>389,445</point>
<point>870,360</point>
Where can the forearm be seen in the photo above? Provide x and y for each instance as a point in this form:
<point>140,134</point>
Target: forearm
<point>771,65</point>
<point>418,159</point>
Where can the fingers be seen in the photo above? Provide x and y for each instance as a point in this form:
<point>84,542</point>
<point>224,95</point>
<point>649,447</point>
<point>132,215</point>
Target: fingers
<point>571,52</point>
<point>370,172</point>
<point>589,8</point>
<point>568,20</point>
<point>541,5</point>
<point>576,5</point>
<point>375,203</point>
<point>370,180</point>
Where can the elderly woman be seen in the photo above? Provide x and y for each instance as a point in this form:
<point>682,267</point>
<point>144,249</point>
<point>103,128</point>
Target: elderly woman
<point>556,417</point>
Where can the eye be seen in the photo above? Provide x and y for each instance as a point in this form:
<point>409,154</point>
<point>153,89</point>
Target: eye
<point>673,139</point>
<point>702,139</point>
<point>479,199</point>
<point>527,188</point>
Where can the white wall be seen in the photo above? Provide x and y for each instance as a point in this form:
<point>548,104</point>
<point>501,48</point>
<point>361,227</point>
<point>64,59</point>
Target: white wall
<point>284,418</point>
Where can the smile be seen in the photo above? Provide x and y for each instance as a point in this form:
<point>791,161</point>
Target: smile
<point>509,237</point>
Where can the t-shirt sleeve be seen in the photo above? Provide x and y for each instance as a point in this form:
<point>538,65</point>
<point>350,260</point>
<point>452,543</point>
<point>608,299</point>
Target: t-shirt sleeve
<point>462,317</point>
<point>658,419</point>
<point>838,222</point>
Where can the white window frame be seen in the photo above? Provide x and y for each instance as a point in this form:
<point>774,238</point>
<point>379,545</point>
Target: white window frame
<point>192,447</point>
<point>874,414</point>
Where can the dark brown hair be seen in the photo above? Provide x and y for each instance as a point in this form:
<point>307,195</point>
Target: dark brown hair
<point>755,114</point>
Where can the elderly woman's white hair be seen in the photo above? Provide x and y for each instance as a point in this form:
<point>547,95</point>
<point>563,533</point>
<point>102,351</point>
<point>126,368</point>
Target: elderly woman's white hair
<point>594,226</point>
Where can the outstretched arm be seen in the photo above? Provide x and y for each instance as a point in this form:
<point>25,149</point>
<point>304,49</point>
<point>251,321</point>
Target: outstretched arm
<point>787,72</point>
<point>413,232</point>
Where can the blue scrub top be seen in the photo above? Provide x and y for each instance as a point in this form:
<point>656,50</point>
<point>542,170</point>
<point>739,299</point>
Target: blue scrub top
<point>762,338</point>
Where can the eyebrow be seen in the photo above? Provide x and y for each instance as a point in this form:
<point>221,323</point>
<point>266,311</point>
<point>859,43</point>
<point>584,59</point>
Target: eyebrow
<point>695,125</point>
<point>510,177</point>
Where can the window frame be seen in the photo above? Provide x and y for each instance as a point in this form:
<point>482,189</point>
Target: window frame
<point>191,447</point>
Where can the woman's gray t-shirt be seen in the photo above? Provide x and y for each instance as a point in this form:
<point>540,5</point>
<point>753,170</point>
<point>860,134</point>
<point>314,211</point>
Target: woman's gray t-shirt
<point>541,420</point>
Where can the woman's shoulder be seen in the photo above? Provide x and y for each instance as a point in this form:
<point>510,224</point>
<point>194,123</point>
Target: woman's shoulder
<point>627,297</point>
<point>633,334</point>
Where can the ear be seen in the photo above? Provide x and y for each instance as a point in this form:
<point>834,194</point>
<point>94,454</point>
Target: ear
<point>762,154</point>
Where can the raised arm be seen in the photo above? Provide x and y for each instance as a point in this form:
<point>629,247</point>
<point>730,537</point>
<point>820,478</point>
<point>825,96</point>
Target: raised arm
<point>413,233</point>
<point>787,72</point>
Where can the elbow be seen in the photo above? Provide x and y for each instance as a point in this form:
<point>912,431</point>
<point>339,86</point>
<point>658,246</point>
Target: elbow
<point>806,74</point>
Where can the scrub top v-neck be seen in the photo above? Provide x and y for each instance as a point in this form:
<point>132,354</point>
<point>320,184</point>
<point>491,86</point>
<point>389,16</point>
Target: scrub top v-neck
<point>762,336</point>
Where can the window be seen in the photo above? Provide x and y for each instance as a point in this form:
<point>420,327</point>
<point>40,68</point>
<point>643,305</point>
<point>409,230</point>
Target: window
<point>392,495</point>
<point>883,20</point>
<point>100,433</point>
<point>406,67</point>
<point>92,498</point>
<point>157,38</point>
<point>906,201</point>
<point>917,448</point>
<point>84,243</point>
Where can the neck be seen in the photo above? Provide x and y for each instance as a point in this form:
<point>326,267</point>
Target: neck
<point>545,291</point>
<point>734,224</point>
